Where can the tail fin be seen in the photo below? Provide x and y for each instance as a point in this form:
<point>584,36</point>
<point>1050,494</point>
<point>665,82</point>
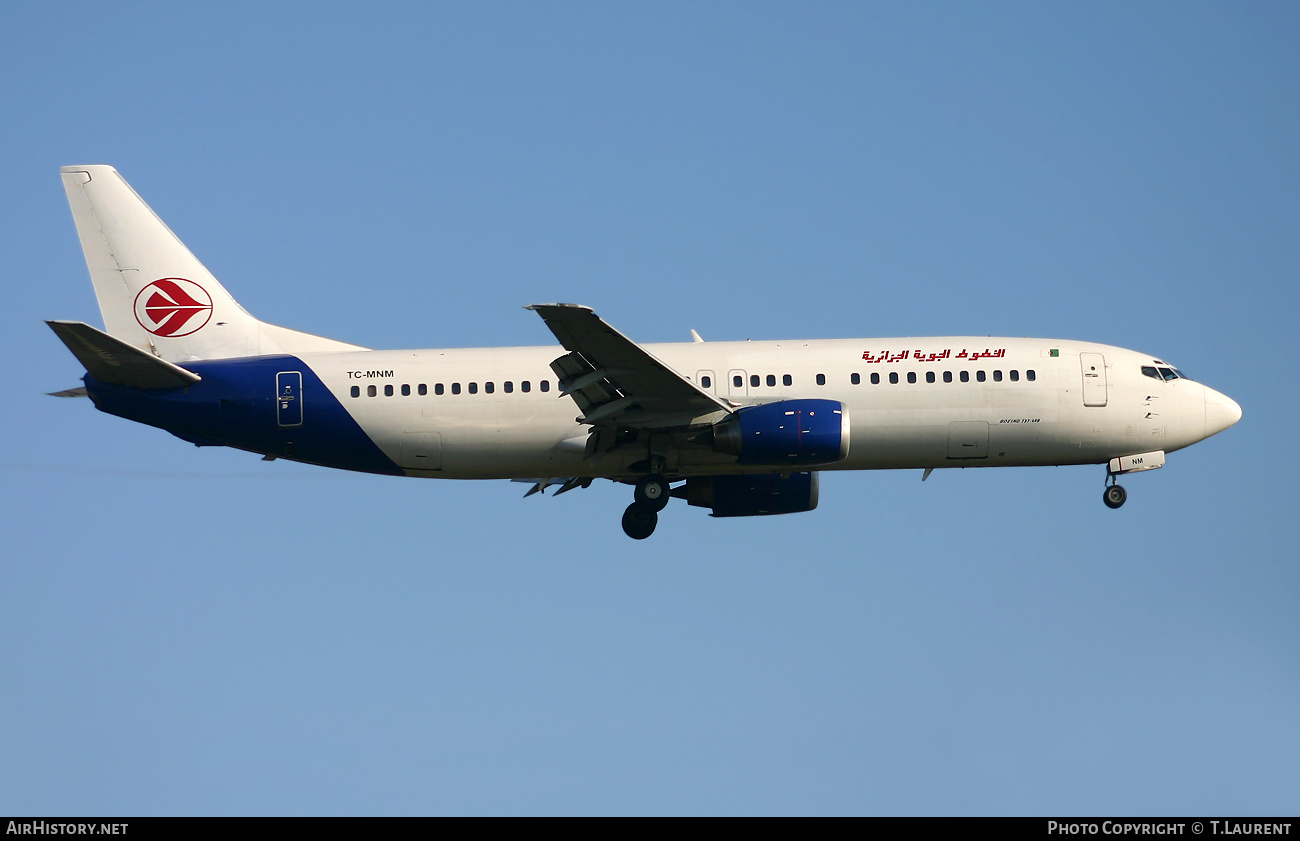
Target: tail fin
<point>153,293</point>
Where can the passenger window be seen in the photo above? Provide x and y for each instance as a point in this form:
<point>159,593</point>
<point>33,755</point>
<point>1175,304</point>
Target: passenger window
<point>371,391</point>
<point>488,388</point>
<point>821,379</point>
<point>509,387</point>
<point>771,380</point>
<point>473,388</point>
<point>544,385</point>
<point>706,382</point>
<point>929,376</point>
<point>997,376</point>
<point>911,376</point>
<point>737,382</point>
<point>388,391</point>
<point>786,379</point>
<point>753,380</point>
<point>356,391</point>
<point>875,378</point>
<point>979,375</point>
<point>855,378</point>
<point>455,388</point>
<point>1029,375</point>
<point>406,390</point>
<point>893,378</point>
<point>525,386</point>
<point>437,388</point>
<point>1015,376</point>
<point>965,376</point>
<point>423,389</point>
<point>947,376</point>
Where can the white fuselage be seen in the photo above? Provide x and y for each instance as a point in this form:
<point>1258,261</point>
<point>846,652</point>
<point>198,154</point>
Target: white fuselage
<point>938,402</point>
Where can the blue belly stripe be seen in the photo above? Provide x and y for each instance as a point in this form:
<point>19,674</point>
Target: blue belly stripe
<point>238,404</point>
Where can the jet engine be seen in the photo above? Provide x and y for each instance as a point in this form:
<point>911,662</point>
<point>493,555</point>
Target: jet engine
<point>752,496</point>
<point>785,432</point>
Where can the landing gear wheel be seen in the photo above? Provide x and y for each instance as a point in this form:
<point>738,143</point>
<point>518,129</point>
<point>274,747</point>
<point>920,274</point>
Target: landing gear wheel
<point>652,492</point>
<point>1114,496</point>
<point>639,521</point>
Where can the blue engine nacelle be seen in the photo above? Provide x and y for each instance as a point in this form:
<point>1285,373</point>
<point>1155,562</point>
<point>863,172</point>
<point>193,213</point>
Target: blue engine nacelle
<point>753,496</point>
<point>785,432</point>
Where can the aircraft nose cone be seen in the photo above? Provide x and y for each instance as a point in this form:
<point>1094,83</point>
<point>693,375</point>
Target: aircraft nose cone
<point>1221,412</point>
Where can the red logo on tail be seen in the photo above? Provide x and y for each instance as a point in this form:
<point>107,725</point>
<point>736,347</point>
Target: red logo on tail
<point>173,307</point>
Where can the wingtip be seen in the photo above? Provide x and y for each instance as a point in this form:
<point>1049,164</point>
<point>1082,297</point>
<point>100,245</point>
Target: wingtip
<point>558,306</point>
<point>86,168</point>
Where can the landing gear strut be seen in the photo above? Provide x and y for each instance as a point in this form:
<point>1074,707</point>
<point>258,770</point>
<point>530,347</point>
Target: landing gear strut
<point>1114,496</point>
<point>641,517</point>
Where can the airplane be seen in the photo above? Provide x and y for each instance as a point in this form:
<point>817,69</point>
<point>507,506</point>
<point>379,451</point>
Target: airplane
<point>740,428</point>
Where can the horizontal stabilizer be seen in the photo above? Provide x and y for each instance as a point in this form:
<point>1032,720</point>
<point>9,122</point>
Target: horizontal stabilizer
<point>79,391</point>
<point>111,360</point>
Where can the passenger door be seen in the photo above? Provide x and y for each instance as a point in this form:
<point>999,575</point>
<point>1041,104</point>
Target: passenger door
<point>288,398</point>
<point>1094,378</point>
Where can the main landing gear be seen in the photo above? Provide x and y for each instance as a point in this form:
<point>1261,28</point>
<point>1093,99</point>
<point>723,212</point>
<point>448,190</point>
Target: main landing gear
<point>1114,496</point>
<point>650,497</point>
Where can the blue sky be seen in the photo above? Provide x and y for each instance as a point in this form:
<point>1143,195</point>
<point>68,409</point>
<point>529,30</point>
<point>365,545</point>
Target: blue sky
<point>197,632</point>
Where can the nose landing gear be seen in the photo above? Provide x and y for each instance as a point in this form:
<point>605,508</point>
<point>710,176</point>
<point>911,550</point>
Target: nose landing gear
<point>1114,495</point>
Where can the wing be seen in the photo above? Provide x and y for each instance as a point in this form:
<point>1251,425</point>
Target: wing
<point>616,382</point>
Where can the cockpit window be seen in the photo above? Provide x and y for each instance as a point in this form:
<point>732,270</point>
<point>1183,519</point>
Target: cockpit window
<point>1163,372</point>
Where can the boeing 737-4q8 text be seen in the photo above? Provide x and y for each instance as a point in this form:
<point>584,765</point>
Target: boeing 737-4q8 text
<point>740,428</point>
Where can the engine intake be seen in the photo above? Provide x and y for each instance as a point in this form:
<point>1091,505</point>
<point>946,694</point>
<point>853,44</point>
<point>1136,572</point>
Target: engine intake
<point>785,432</point>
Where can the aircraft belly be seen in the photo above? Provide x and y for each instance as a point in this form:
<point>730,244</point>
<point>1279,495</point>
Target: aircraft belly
<point>486,440</point>
<point>994,427</point>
